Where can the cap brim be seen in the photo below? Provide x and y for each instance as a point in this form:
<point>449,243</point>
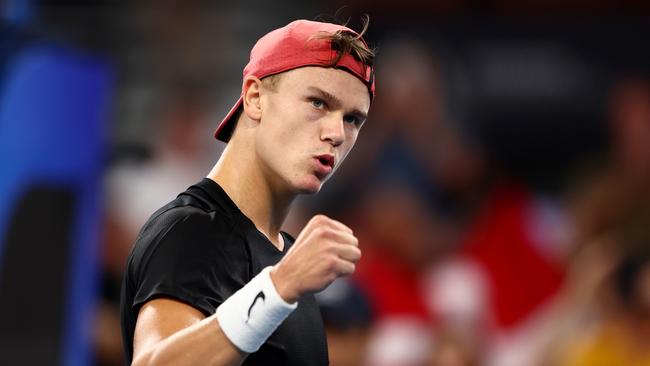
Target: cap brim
<point>225,128</point>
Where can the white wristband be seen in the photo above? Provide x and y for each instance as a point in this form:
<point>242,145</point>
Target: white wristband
<point>250,315</point>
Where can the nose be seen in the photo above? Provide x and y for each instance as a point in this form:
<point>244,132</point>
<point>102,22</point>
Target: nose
<point>333,130</point>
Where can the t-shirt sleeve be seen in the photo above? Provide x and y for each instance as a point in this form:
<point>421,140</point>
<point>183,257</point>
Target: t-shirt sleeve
<point>188,259</point>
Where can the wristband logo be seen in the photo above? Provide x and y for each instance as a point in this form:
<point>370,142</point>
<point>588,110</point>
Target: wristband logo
<point>260,295</point>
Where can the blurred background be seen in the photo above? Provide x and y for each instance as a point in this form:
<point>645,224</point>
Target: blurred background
<point>500,189</point>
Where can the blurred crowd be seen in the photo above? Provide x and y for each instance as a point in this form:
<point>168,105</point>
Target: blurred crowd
<point>500,188</point>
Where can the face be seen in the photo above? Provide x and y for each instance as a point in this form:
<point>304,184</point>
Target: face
<point>310,120</point>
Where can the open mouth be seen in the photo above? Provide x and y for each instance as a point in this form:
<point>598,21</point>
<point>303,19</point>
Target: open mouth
<point>327,160</point>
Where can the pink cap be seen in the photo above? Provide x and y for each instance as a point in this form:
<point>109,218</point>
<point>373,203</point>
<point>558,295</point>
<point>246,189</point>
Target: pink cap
<point>296,45</point>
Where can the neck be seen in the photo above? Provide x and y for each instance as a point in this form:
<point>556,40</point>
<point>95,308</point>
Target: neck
<point>238,173</point>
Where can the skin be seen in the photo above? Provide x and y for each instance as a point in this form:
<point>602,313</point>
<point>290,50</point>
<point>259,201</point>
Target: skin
<point>269,160</point>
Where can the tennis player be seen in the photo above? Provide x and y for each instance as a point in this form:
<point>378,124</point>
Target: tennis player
<point>212,280</point>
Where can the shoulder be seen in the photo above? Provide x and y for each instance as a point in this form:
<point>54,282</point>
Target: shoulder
<point>188,254</point>
<point>173,220</point>
<point>188,215</point>
<point>175,234</point>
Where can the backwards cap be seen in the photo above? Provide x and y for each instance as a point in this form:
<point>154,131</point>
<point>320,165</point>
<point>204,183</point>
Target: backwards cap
<point>299,43</point>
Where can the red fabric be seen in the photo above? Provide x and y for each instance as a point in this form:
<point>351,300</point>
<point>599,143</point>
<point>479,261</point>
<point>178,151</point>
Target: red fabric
<point>296,45</point>
<point>393,287</point>
<point>521,278</point>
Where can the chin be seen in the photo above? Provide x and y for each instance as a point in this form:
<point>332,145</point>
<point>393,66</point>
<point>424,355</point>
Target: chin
<point>309,186</point>
<point>309,190</point>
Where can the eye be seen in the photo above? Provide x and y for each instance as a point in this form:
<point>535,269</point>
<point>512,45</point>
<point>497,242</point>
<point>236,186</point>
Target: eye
<point>349,118</point>
<point>317,103</point>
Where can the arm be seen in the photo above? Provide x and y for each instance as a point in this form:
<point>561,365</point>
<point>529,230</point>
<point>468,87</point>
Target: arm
<point>170,332</point>
<point>167,330</point>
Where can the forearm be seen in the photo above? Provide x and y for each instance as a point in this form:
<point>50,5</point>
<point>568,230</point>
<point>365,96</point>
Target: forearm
<point>170,332</point>
<point>203,343</point>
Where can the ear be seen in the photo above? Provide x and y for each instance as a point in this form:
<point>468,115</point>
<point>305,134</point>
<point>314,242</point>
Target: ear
<point>252,89</point>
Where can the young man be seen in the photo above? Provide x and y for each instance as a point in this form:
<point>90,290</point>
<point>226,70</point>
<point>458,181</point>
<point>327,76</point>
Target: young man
<point>211,279</point>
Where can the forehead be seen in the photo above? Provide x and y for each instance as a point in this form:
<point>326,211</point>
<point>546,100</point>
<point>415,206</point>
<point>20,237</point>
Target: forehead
<point>339,83</point>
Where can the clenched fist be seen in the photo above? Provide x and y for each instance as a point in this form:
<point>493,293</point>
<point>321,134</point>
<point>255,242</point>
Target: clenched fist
<point>324,250</point>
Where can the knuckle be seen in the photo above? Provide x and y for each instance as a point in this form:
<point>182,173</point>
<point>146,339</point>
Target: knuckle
<point>327,232</point>
<point>344,227</point>
<point>319,218</point>
<point>319,232</point>
<point>331,264</point>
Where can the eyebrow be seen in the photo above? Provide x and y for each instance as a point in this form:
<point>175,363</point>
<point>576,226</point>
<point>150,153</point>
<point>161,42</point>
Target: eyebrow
<point>331,99</point>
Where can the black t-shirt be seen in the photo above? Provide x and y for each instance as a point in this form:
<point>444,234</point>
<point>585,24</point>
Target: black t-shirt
<point>200,249</point>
